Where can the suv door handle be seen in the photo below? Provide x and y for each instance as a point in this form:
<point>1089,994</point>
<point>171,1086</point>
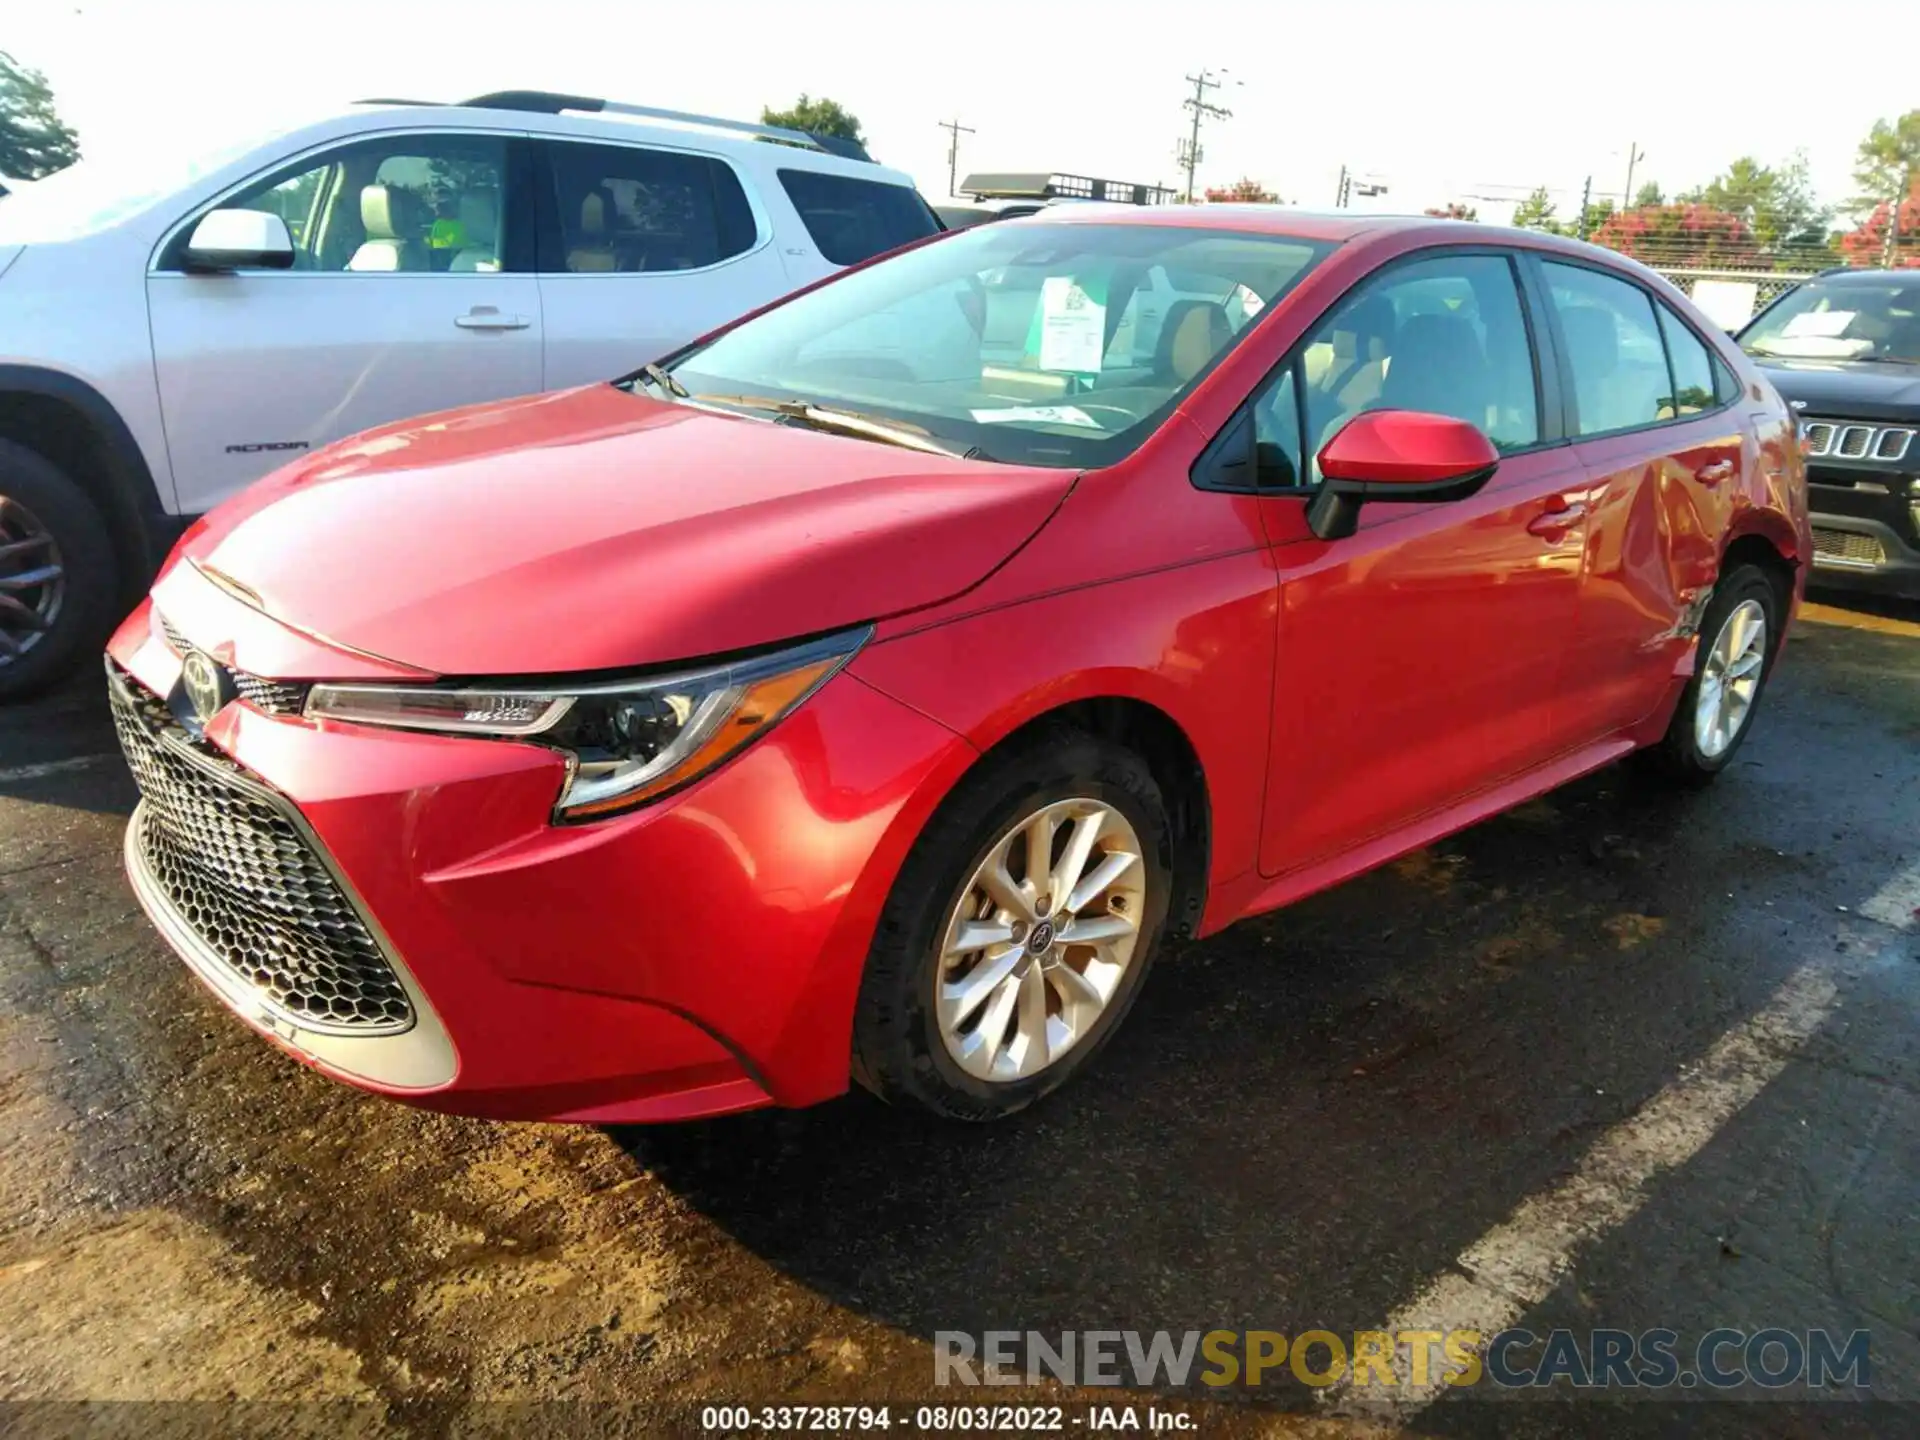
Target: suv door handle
<point>1556,522</point>
<point>1716,472</point>
<point>487,317</point>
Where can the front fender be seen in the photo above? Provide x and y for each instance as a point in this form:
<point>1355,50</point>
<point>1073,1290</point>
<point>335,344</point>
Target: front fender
<point>1195,642</point>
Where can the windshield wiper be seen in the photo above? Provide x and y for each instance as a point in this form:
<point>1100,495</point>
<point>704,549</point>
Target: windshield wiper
<point>848,422</point>
<point>663,380</point>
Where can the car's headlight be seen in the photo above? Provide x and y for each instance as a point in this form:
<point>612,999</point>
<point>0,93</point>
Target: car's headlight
<point>627,741</point>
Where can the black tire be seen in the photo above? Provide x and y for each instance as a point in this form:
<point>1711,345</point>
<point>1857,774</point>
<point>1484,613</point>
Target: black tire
<point>898,1052</point>
<point>87,606</point>
<point>1677,757</point>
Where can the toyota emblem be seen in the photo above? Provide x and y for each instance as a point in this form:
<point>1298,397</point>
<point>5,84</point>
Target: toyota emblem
<point>208,686</point>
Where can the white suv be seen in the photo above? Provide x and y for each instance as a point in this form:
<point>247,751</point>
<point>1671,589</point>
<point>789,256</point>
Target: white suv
<point>161,346</point>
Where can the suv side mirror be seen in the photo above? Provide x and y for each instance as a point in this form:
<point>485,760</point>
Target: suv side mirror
<point>1405,455</point>
<point>239,240</point>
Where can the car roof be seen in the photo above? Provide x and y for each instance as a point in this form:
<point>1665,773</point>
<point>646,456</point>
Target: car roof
<point>1335,226</point>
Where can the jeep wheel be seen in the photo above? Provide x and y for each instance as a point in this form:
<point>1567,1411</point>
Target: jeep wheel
<point>58,577</point>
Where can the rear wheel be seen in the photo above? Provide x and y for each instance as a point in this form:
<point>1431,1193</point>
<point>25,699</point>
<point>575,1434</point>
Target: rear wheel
<point>1019,931</point>
<point>58,577</point>
<point>1738,638</point>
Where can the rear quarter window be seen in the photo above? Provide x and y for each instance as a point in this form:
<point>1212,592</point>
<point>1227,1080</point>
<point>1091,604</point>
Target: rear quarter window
<point>852,220</point>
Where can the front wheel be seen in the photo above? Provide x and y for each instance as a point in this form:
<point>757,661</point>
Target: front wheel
<point>1739,636</point>
<point>1018,932</point>
<point>57,573</point>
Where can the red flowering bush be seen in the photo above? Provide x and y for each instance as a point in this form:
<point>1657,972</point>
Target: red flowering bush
<point>1868,245</point>
<point>1681,235</point>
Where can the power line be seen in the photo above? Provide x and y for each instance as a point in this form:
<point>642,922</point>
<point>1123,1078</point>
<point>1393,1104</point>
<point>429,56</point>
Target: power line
<point>954,131</point>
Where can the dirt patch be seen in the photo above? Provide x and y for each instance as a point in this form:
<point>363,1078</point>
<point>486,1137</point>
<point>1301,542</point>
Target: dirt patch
<point>150,1308</point>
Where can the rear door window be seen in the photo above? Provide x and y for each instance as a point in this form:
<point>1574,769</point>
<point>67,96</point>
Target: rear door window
<point>1614,348</point>
<point>630,208</point>
<point>852,220</point>
<point>1693,378</point>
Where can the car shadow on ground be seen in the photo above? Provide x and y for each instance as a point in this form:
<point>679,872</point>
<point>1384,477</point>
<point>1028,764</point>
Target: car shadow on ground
<point>1310,1114</point>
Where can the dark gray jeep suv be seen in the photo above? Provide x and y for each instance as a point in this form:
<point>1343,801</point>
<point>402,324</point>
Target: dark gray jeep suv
<point>1843,349</point>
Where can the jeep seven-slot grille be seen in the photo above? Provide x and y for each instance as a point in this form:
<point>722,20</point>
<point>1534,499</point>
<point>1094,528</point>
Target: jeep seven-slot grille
<point>239,870</point>
<point>1851,440</point>
<point>276,697</point>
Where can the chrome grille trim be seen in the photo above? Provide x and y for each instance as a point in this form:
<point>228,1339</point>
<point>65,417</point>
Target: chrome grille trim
<point>1852,440</point>
<point>239,871</point>
<point>274,697</point>
<point>1847,549</point>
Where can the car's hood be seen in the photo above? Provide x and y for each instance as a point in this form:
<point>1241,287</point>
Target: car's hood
<point>593,529</point>
<point>1870,390</point>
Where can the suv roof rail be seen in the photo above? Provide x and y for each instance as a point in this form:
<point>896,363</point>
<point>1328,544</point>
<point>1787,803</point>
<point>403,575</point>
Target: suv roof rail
<point>551,102</point>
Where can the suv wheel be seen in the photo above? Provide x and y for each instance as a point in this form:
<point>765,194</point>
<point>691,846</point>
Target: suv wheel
<point>1739,636</point>
<point>1018,932</point>
<point>57,572</point>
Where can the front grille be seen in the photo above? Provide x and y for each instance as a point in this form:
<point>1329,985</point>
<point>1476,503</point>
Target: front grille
<point>238,867</point>
<point>1845,547</point>
<point>275,697</point>
<point>1847,440</point>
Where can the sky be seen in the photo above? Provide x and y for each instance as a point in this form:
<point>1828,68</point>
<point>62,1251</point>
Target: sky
<point>1471,100</point>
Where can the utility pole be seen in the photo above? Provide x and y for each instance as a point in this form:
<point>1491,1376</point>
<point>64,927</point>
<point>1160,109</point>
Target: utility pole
<point>1634,156</point>
<point>1340,191</point>
<point>1189,152</point>
<point>954,131</point>
<point>1586,195</point>
<point>1893,216</point>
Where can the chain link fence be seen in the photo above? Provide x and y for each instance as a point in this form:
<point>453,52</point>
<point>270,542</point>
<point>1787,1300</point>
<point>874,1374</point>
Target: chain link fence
<point>1732,297</point>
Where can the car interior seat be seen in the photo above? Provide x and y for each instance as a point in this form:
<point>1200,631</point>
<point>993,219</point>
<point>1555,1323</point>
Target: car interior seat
<point>1438,367</point>
<point>1193,333</point>
<point>592,247</point>
<point>1593,342</point>
<point>480,222</point>
<point>395,223</point>
<point>1361,338</point>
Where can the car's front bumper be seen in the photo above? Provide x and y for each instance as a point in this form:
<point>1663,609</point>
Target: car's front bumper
<point>697,956</point>
<point>1858,552</point>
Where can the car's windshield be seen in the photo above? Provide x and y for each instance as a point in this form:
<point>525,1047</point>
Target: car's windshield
<point>1846,320</point>
<point>1037,343</point>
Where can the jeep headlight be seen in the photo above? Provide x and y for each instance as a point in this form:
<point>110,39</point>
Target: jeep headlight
<point>626,741</point>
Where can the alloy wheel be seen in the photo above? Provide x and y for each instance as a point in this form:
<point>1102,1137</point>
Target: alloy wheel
<point>1040,939</point>
<point>33,580</point>
<point>1730,678</point>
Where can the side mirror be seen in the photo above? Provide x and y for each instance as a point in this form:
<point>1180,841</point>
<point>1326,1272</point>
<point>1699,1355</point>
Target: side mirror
<point>239,240</point>
<point>1405,455</point>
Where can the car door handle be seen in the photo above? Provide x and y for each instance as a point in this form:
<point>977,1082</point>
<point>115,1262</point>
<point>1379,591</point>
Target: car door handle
<point>1557,521</point>
<point>486,317</point>
<point>1716,472</point>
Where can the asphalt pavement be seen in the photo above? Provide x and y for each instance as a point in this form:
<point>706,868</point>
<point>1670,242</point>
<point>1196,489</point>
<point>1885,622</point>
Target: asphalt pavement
<point>1617,1060</point>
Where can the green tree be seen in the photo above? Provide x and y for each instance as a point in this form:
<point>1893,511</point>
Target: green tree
<point>1888,161</point>
<point>1776,203</point>
<point>817,117</point>
<point>34,140</point>
<point>1648,194</point>
<point>1598,213</point>
<point>1536,213</point>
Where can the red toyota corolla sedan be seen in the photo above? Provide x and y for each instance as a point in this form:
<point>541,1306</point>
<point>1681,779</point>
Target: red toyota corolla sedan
<point>871,689</point>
